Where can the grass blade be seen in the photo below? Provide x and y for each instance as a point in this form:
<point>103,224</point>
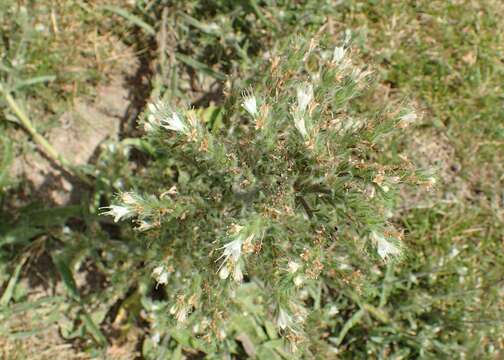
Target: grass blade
<point>200,66</point>
<point>34,80</point>
<point>9,291</point>
<point>131,18</point>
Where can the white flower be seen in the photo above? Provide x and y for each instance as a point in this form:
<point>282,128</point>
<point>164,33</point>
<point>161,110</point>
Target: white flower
<point>153,108</point>
<point>395,179</point>
<point>144,226</point>
<point>298,280</point>
<point>180,312</point>
<point>118,212</point>
<point>409,118</point>
<point>232,250</point>
<point>156,338</point>
<point>299,122</point>
<point>231,254</point>
<point>348,36</point>
<point>128,198</point>
<point>250,104</point>
<point>339,54</point>
<point>293,266</point>
<point>224,272</point>
<point>333,310</point>
<point>283,319</point>
<point>385,248</point>
<point>163,278</point>
<point>173,122</point>
<point>170,191</point>
<point>160,274</point>
<point>304,93</point>
<point>160,115</point>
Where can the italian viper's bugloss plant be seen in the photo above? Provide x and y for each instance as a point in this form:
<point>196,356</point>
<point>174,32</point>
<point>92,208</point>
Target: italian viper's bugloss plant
<point>284,201</point>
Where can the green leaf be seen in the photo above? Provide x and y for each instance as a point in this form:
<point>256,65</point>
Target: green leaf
<point>268,350</point>
<point>18,235</point>
<point>6,157</point>
<point>131,18</point>
<point>200,67</point>
<point>34,81</point>
<point>212,115</point>
<point>9,290</point>
<point>66,276</point>
<point>184,337</point>
<point>140,144</point>
<point>210,29</point>
<point>52,216</point>
<point>94,330</point>
<point>61,264</point>
<point>30,305</point>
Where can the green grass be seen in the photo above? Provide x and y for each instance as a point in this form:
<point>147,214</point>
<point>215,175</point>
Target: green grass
<point>445,299</point>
